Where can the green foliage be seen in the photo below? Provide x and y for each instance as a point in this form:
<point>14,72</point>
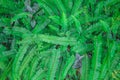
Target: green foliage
<point>53,65</point>
<point>67,66</point>
<point>96,59</point>
<point>40,38</point>
<point>85,69</point>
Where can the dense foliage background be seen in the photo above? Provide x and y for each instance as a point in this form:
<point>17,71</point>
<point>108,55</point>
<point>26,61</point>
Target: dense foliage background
<point>40,38</point>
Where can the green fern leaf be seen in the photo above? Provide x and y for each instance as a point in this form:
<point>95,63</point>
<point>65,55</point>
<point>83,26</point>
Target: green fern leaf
<point>60,6</point>
<point>49,39</point>
<point>94,72</point>
<point>21,15</point>
<point>85,68</point>
<point>26,60</point>
<point>104,69</point>
<point>76,6</point>
<point>54,28</point>
<point>20,32</point>
<point>18,59</point>
<point>67,67</point>
<point>106,27</point>
<point>45,7</point>
<point>38,75</point>
<point>78,25</point>
<point>54,61</point>
<point>64,22</point>
<point>39,27</point>
<point>33,66</point>
<point>55,19</point>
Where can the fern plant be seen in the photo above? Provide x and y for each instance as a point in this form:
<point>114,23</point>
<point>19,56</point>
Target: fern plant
<point>40,38</point>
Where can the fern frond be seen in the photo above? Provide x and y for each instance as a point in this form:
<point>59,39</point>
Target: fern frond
<point>64,22</point>
<point>7,70</point>
<point>104,69</point>
<point>9,7</point>
<point>96,60</point>
<point>115,27</point>
<point>70,19</point>
<point>54,28</point>
<point>68,5</point>
<point>85,68</point>
<point>20,15</point>
<point>39,75</point>
<point>39,27</point>
<point>67,67</point>
<point>45,7</point>
<point>54,61</point>
<point>4,22</point>
<point>52,6</point>
<point>112,50</point>
<point>114,63</point>
<point>27,60</point>
<point>93,28</point>
<point>60,6</point>
<point>20,32</point>
<point>33,66</point>
<point>78,25</point>
<point>99,8</point>
<point>55,19</point>
<point>18,59</point>
<point>50,39</point>
<point>106,27</point>
<point>57,40</point>
<point>76,6</point>
<point>82,48</point>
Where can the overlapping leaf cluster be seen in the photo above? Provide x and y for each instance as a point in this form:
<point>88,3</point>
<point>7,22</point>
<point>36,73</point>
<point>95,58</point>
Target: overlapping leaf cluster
<point>39,39</point>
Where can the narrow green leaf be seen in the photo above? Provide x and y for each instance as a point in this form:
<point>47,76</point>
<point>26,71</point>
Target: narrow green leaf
<point>26,60</point>
<point>64,22</point>
<point>76,6</point>
<point>45,7</point>
<point>49,39</point>
<point>105,26</point>
<point>67,66</point>
<point>85,68</point>
<point>18,59</point>
<point>54,61</point>
<point>21,15</point>
<point>78,25</point>
<point>96,59</point>
<point>60,6</point>
<point>104,68</point>
<point>38,75</point>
